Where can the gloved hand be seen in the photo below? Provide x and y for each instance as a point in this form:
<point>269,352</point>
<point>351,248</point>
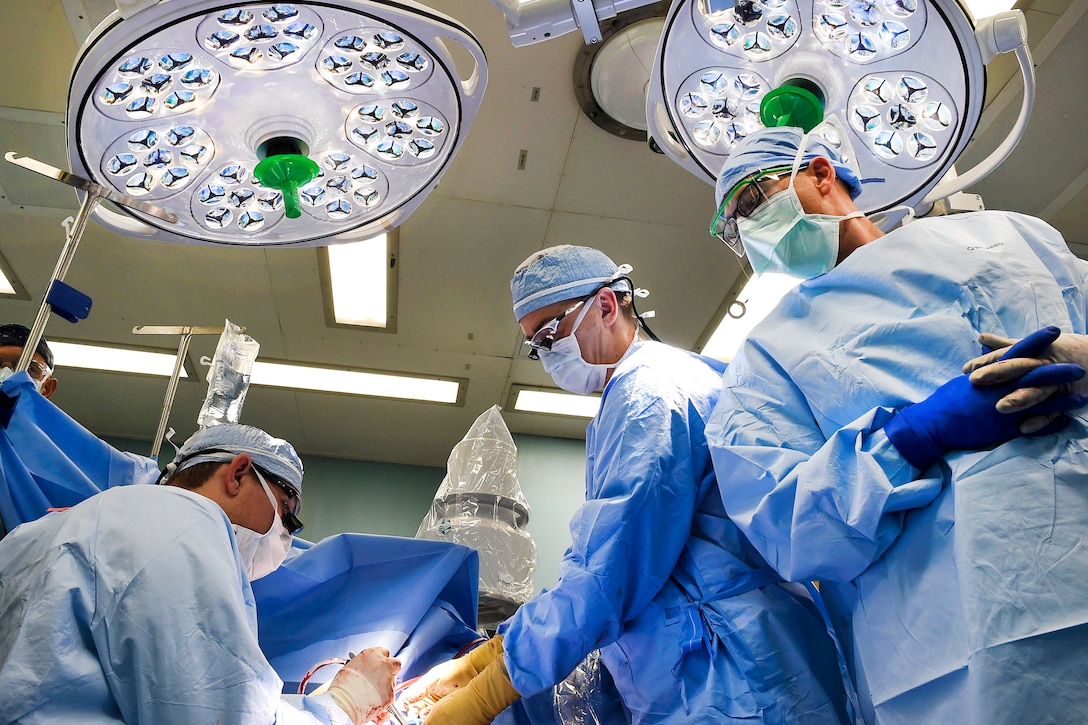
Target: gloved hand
<point>1012,358</point>
<point>960,415</point>
<point>364,687</point>
<point>479,702</point>
<point>444,678</point>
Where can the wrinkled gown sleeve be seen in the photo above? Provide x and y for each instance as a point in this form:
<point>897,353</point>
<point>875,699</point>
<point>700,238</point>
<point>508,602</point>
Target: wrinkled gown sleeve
<point>803,464</point>
<point>816,508</point>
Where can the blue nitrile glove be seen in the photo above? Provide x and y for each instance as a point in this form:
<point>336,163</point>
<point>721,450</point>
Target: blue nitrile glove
<point>960,415</point>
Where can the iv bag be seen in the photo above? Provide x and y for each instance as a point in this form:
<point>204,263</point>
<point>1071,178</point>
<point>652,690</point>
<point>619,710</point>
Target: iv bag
<point>228,377</point>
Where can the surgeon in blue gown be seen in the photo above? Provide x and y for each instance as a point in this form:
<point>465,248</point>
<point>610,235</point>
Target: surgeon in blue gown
<point>47,460</point>
<point>851,448</point>
<point>135,605</point>
<point>690,622</point>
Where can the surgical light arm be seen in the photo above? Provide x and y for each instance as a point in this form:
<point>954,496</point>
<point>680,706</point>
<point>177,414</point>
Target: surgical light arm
<point>534,21</point>
<point>1001,33</point>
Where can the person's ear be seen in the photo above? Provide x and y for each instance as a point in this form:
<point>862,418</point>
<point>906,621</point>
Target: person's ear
<point>49,387</point>
<point>609,305</point>
<point>234,471</point>
<point>823,174</point>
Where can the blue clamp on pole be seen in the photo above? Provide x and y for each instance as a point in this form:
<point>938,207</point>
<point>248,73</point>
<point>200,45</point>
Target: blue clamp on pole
<point>68,302</point>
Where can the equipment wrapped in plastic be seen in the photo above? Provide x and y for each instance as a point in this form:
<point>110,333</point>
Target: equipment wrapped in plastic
<point>480,504</point>
<point>587,696</point>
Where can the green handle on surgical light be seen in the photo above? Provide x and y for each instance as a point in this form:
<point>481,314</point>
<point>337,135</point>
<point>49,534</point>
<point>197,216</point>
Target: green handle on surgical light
<point>285,167</point>
<point>286,173</point>
<point>794,103</point>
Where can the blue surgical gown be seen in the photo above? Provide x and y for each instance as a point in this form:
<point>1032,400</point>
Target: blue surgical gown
<point>662,582</point>
<point>959,590</point>
<point>49,460</point>
<point>133,606</point>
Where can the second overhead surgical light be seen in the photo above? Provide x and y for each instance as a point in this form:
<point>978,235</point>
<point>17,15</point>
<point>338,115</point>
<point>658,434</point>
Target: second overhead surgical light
<point>904,77</point>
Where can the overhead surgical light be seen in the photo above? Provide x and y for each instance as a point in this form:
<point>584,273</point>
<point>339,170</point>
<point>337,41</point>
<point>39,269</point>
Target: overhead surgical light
<point>610,77</point>
<point>906,79</point>
<point>270,123</point>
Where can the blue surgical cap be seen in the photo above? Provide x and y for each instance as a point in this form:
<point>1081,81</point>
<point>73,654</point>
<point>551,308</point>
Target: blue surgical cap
<point>770,148</point>
<point>560,273</point>
<point>221,443</point>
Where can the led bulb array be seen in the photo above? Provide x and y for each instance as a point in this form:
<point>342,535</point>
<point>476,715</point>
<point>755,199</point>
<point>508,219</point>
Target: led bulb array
<point>903,76</point>
<point>904,119</point>
<point>175,109</point>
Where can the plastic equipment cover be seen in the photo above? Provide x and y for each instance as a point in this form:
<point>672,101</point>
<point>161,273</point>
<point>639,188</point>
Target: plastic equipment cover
<point>349,591</point>
<point>480,504</point>
<point>588,696</point>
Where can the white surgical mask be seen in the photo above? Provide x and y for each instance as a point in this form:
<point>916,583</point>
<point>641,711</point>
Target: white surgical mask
<point>263,553</point>
<point>780,237</point>
<point>6,372</point>
<point>569,370</point>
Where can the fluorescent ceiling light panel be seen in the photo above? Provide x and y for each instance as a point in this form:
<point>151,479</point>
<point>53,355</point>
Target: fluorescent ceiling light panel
<point>759,296</point>
<point>540,401</point>
<point>380,385</point>
<point>359,274</point>
<point>114,359</point>
<point>6,287</point>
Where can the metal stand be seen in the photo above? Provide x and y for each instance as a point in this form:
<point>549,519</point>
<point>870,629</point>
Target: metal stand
<point>186,333</point>
<point>93,194</point>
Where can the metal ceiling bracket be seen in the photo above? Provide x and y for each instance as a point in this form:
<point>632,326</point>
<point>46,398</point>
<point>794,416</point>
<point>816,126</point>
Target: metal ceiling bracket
<point>586,17</point>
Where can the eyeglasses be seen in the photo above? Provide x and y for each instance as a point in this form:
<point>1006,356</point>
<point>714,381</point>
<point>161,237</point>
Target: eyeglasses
<point>544,338</point>
<point>37,370</point>
<point>750,196</point>
<point>291,506</point>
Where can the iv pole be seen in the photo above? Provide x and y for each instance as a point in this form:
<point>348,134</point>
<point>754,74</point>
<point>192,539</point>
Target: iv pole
<point>93,193</point>
<point>186,333</point>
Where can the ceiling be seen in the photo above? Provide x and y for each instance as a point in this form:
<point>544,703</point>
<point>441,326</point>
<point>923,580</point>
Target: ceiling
<point>456,252</point>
